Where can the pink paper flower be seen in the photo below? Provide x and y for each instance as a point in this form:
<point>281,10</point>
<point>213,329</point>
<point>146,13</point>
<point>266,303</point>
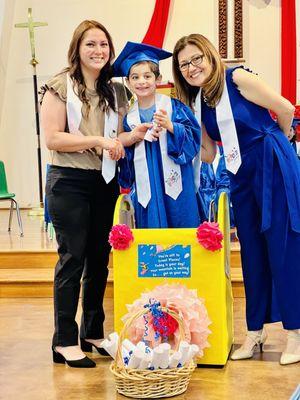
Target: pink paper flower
<point>210,236</point>
<point>120,237</point>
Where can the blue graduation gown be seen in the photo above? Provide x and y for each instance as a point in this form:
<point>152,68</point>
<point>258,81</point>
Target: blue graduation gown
<point>162,211</point>
<point>265,194</point>
<point>212,184</point>
<point>207,190</point>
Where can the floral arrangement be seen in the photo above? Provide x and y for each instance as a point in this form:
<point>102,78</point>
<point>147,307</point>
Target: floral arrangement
<point>120,237</point>
<point>210,236</point>
<point>157,326</point>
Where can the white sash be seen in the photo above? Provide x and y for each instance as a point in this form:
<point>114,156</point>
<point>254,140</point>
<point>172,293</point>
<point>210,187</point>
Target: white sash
<point>74,106</point>
<point>216,161</point>
<point>74,115</point>
<point>171,171</point>
<point>110,131</point>
<point>197,160</point>
<point>227,130</point>
<point>142,179</point>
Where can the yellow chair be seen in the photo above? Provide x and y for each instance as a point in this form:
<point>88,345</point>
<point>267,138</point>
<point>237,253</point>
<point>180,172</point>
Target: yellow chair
<point>209,274</point>
<point>6,195</point>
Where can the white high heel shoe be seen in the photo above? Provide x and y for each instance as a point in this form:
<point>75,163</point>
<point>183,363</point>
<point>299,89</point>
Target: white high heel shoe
<point>291,354</point>
<point>252,341</point>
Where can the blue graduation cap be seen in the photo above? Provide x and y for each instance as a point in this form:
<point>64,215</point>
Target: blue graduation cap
<point>134,53</point>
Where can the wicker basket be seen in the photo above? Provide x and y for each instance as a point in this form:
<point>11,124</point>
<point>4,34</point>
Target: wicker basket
<point>147,384</point>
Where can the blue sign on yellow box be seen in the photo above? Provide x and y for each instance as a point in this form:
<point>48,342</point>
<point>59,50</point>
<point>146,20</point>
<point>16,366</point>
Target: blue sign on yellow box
<point>170,262</point>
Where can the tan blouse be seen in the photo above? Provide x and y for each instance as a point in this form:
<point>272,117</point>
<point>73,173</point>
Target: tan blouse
<point>92,125</point>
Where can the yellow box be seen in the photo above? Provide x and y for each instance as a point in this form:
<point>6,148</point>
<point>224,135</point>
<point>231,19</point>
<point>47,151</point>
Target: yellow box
<point>210,275</point>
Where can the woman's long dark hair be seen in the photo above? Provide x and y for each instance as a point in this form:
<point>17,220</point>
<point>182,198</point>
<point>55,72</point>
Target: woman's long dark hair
<point>104,86</point>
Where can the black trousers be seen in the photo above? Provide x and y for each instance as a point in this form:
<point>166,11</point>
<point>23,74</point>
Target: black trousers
<point>81,206</point>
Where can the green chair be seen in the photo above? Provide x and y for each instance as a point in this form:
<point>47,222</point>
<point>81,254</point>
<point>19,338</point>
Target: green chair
<point>5,195</point>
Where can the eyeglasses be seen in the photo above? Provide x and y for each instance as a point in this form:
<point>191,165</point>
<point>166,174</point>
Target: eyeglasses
<point>195,61</point>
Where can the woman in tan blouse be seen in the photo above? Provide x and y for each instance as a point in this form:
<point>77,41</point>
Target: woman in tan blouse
<point>81,116</point>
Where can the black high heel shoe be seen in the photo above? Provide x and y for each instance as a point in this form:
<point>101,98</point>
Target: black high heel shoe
<point>88,347</point>
<point>82,363</point>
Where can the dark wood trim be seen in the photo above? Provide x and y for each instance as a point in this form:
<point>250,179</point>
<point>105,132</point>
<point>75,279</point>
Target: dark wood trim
<point>223,28</point>
<point>238,28</point>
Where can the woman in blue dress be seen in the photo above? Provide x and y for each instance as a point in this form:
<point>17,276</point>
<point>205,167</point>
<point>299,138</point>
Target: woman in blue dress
<point>264,180</point>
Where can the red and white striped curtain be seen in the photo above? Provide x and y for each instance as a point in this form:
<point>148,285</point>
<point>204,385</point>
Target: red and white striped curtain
<point>290,50</point>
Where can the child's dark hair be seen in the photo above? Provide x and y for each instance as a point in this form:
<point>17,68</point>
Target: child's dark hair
<point>153,67</point>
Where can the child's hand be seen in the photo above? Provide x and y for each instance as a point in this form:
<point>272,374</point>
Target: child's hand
<point>156,131</point>
<point>161,119</point>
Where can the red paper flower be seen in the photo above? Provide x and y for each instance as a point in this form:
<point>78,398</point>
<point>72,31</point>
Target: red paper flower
<point>120,237</point>
<point>210,236</point>
<point>165,325</point>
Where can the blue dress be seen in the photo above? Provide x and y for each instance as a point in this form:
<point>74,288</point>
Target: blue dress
<point>162,211</point>
<point>265,194</point>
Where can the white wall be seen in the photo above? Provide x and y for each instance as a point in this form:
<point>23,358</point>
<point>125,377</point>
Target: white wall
<point>125,20</point>
<point>262,38</point>
<point>6,18</point>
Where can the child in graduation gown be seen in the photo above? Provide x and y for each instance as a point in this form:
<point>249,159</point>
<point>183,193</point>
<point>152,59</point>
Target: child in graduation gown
<point>162,138</point>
